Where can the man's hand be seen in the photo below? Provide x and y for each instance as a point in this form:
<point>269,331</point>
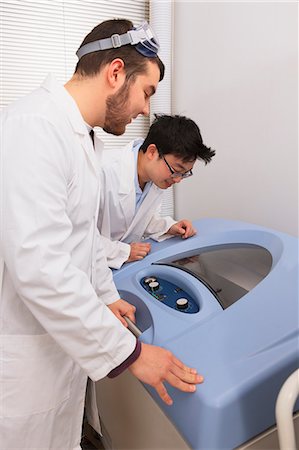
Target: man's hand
<point>156,365</point>
<point>122,308</point>
<point>138,251</point>
<point>182,228</point>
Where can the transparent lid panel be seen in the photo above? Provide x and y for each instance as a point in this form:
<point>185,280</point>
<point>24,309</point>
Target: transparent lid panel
<point>229,271</point>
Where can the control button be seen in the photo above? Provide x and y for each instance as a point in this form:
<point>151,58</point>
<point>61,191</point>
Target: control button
<point>154,285</point>
<point>182,303</point>
<point>149,280</point>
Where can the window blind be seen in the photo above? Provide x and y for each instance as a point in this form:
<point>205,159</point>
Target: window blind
<point>161,17</point>
<point>38,37</point>
<point>42,36</point>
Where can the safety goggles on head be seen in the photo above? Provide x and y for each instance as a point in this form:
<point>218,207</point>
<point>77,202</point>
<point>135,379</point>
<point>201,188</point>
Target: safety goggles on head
<point>142,37</point>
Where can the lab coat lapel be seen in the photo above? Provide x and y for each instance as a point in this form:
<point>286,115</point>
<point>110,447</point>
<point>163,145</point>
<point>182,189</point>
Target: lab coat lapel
<point>143,211</point>
<point>127,188</point>
<point>92,153</point>
<point>66,102</point>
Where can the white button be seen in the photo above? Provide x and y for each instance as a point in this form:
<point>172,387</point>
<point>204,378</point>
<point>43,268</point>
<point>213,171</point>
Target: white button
<point>154,285</point>
<point>149,280</point>
<point>182,303</point>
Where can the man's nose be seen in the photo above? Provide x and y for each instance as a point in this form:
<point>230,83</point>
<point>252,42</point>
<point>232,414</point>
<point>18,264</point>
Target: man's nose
<point>146,109</point>
<point>177,179</point>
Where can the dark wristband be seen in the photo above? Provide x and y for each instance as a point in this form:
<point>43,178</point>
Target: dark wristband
<point>127,362</point>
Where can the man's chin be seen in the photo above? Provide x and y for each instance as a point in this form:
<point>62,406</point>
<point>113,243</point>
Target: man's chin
<point>163,185</point>
<point>168,184</point>
<point>115,131</point>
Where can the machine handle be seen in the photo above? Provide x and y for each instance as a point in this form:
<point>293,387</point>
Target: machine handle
<point>284,411</point>
<point>132,327</point>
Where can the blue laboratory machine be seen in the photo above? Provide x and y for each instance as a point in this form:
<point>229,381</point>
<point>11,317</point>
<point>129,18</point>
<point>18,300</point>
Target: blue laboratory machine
<point>226,302</point>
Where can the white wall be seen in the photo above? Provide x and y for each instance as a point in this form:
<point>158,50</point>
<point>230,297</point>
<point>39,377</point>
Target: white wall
<point>236,74</point>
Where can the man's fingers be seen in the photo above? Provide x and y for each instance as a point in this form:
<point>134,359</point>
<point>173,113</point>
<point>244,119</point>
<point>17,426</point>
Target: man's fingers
<point>139,250</point>
<point>183,366</point>
<point>185,373</point>
<point>146,248</point>
<point>185,229</point>
<point>176,380</point>
<point>161,389</point>
<point>181,230</point>
<point>156,365</point>
<point>122,308</point>
<point>131,316</point>
<point>191,232</point>
<point>188,231</point>
<point>122,320</point>
<point>186,376</point>
<point>179,384</point>
<point>129,311</point>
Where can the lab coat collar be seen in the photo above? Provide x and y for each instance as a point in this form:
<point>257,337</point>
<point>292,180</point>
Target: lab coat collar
<point>65,101</point>
<point>128,168</point>
<point>127,184</point>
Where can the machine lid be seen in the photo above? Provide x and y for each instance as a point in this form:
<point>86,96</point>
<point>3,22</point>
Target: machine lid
<point>229,271</point>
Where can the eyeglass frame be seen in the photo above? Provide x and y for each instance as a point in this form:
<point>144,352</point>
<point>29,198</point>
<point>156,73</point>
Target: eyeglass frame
<point>175,174</point>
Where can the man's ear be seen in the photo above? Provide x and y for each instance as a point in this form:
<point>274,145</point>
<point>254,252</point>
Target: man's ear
<point>116,73</point>
<point>152,152</point>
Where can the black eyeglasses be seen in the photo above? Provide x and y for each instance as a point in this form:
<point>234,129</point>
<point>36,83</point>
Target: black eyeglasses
<point>175,174</point>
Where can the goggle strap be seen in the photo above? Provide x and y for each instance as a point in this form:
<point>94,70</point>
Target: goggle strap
<point>115,41</point>
<point>132,37</point>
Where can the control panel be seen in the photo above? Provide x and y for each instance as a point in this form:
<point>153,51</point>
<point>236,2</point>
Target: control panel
<point>169,294</point>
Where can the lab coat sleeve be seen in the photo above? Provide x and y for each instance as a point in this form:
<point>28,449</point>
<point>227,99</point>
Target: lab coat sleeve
<point>112,254</point>
<point>158,227</point>
<point>116,252</point>
<point>35,236</point>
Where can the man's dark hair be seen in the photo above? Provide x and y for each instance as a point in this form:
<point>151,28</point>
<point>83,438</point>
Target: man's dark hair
<point>135,63</point>
<point>179,136</point>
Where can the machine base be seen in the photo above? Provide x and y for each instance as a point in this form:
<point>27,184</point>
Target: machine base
<point>130,419</point>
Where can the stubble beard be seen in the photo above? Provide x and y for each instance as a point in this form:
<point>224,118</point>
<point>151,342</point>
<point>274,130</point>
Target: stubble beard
<point>116,118</point>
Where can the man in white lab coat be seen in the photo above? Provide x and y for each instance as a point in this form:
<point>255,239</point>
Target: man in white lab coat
<point>60,313</point>
<point>133,180</point>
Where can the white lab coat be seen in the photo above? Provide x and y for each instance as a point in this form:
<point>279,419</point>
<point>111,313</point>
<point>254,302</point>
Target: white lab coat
<point>55,328</point>
<point>117,222</point>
